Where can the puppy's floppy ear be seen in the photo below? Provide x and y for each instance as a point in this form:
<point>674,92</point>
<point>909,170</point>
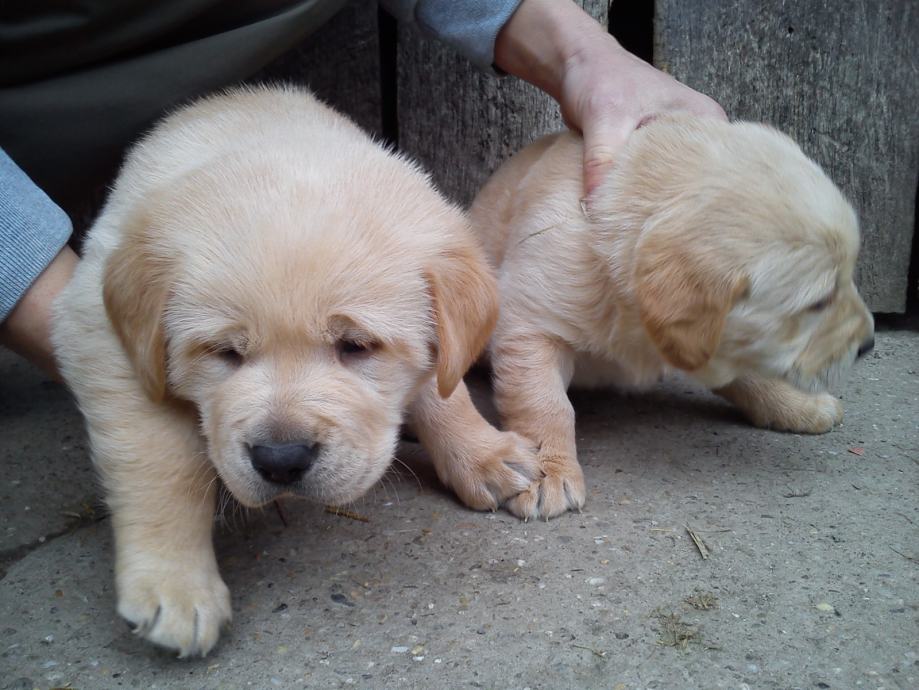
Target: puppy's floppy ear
<point>465,301</point>
<point>685,286</point>
<point>135,289</point>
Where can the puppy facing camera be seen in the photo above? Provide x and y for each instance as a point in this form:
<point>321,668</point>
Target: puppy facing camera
<point>265,298</point>
<point>718,250</point>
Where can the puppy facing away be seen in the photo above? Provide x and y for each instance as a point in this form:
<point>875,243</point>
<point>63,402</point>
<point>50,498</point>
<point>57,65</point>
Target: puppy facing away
<point>716,249</point>
<point>266,295</point>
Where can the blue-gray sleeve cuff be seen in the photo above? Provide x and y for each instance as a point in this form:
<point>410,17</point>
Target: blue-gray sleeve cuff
<point>469,26</point>
<point>33,229</point>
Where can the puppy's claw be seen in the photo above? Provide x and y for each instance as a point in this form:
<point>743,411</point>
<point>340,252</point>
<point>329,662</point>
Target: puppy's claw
<point>487,475</point>
<point>560,489</point>
<point>183,611</point>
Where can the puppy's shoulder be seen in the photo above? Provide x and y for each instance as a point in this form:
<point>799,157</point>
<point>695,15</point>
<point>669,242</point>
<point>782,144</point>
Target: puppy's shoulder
<point>540,183</point>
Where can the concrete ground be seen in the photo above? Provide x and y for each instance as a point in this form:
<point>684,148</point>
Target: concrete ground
<point>810,580</point>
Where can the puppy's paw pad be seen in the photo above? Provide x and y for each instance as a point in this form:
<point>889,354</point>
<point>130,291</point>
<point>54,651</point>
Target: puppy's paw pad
<point>183,611</point>
<point>821,413</point>
<point>525,505</point>
<point>496,470</point>
<point>521,457</point>
<point>826,413</point>
<point>560,489</point>
<point>831,408</point>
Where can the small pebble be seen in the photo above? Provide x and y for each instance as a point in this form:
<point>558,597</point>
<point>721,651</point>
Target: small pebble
<point>399,650</point>
<point>340,598</point>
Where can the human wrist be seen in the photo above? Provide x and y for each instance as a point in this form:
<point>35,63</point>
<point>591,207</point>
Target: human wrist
<point>543,39</point>
<point>27,329</point>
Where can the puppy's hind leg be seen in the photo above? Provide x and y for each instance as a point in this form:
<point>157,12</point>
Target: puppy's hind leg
<point>161,490</point>
<point>776,404</point>
<point>483,465</point>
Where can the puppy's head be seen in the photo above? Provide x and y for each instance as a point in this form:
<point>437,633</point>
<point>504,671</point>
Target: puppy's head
<point>746,255</point>
<point>299,311</point>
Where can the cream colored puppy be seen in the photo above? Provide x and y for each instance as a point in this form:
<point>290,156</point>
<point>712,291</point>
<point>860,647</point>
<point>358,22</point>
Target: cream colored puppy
<point>712,248</point>
<point>265,295</point>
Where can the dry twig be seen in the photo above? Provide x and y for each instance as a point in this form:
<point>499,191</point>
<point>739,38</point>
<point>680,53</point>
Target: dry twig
<point>697,540</point>
<point>334,510</point>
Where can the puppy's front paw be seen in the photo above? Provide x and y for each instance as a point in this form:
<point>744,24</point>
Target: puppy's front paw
<point>176,608</point>
<point>560,489</point>
<point>815,413</point>
<point>492,470</point>
<point>824,412</point>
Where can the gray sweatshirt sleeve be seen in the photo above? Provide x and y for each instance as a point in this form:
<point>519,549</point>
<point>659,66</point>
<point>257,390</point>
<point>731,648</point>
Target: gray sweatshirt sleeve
<point>33,229</point>
<point>470,26</point>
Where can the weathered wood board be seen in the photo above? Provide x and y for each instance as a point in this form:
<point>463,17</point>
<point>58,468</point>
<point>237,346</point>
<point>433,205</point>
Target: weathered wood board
<point>842,78</point>
<point>462,123</point>
<point>340,63</point>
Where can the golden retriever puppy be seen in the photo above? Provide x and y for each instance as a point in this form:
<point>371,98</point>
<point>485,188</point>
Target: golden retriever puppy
<point>715,249</point>
<point>265,296</point>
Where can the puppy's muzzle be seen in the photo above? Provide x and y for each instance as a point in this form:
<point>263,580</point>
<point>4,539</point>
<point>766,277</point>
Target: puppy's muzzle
<point>865,348</point>
<point>283,463</point>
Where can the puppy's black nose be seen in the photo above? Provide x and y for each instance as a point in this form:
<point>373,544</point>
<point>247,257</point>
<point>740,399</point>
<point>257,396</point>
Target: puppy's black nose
<point>283,463</point>
<point>865,347</point>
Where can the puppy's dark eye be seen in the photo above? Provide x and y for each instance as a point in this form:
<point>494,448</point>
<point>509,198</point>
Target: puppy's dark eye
<point>354,349</point>
<point>230,355</point>
<point>821,305</point>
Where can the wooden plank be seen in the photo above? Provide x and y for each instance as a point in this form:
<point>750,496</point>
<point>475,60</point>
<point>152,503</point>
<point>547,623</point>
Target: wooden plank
<point>459,122</point>
<point>841,78</point>
<point>340,63</point>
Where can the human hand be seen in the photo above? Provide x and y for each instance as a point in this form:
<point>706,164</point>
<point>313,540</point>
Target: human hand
<point>607,93</point>
<point>604,91</point>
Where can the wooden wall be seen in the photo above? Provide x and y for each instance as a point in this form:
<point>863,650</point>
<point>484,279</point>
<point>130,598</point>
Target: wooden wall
<point>842,78</point>
<point>341,64</point>
<point>461,123</point>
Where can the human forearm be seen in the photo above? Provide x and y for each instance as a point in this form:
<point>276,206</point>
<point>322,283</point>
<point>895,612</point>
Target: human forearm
<point>541,38</point>
<point>35,264</point>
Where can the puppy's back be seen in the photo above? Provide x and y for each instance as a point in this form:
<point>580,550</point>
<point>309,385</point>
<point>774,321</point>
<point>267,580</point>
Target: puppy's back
<point>545,175</point>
